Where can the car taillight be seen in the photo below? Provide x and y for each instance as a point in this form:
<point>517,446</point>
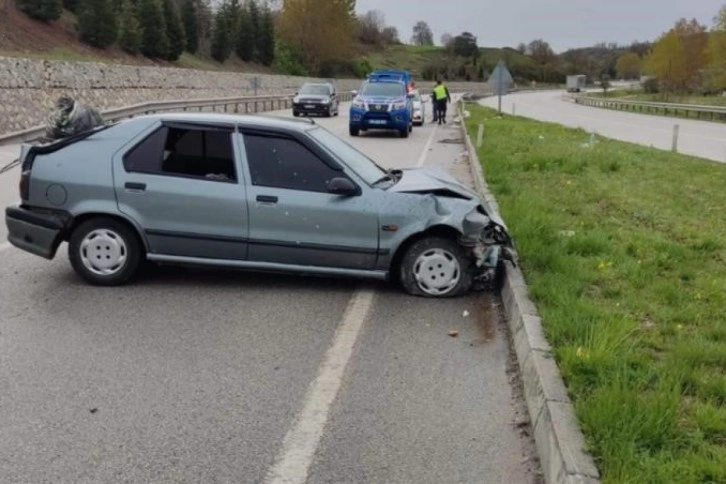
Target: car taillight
<point>24,185</point>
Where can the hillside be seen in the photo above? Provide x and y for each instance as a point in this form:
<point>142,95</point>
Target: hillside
<point>21,36</point>
<point>431,62</point>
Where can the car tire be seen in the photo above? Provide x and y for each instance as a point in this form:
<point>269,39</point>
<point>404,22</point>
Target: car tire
<point>404,132</point>
<point>105,251</point>
<point>295,113</point>
<point>436,267</point>
<point>354,131</point>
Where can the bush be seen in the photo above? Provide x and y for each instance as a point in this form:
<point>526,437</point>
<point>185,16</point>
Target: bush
<point>651,85</point>
<point>44,10</point>
<point>289,60</point>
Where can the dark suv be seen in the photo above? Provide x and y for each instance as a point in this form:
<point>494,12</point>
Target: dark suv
<point>315,98</point>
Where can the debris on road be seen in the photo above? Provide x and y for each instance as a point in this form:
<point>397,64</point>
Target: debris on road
<point>465,314</point>
<point>453,334</point>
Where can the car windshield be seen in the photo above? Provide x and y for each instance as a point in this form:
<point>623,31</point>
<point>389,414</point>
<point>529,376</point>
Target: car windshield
<point>317,89</point>
<point>364,167</point>
<point>387,89</point>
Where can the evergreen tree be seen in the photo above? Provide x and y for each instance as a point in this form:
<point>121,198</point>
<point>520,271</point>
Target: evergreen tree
<point>191,22</point>
<point>44,10</point>
<point>174,30</point>
<point>253,12</point>
<point>71,5</point>
<point>266,36</point>
<point>245,46</point>
<point>154,41</point>
<point>130,29</point>
<point>97,23</point>
<point>225,26</point>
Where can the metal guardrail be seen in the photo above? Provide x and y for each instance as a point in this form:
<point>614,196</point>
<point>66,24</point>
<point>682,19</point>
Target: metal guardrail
<point>669,109</point>
<point>233,105</point>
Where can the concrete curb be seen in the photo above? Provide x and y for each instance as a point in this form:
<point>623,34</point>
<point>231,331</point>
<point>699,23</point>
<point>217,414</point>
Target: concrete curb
<point>559,441</point>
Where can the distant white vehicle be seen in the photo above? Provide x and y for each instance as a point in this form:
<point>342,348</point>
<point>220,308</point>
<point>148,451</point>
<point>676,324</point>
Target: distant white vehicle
<point>576,83</point>
<point>419,108</point>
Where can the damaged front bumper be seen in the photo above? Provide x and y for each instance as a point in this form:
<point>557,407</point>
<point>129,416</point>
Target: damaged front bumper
<point>490,244</point>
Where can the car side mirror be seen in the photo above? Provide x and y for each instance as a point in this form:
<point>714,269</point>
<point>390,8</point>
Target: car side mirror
<point>342,186</point>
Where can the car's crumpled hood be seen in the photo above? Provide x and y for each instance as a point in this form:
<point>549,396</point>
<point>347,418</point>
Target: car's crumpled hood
<point>439,183</point>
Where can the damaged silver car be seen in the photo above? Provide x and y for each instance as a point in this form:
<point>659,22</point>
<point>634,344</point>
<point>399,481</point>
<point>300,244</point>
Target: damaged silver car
<point>249,192</point>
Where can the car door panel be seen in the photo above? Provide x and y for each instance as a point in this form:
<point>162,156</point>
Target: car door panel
<point>184,215</point>
<point>293,220</point>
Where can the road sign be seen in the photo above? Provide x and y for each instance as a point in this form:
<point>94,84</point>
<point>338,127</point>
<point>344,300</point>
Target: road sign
<point>500,79</point>
<point>255,83</point>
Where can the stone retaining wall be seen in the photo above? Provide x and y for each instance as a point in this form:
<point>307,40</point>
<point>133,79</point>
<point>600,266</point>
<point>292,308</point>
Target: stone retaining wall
<point>29,87</point>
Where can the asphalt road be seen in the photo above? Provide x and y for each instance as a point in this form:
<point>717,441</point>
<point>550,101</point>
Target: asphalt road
<point>211,376</point>
<point>698,138</point>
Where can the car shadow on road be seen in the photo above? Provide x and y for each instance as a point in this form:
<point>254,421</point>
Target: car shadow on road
<point>179,276</point>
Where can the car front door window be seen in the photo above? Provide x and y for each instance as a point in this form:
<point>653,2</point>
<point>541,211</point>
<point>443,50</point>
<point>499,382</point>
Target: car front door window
<point>285,163</point>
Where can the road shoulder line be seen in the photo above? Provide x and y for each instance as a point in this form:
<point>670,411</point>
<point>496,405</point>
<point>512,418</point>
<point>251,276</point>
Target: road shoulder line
<point>558,438</point>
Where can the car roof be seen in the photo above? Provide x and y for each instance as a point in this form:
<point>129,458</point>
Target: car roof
<point>250,120</point>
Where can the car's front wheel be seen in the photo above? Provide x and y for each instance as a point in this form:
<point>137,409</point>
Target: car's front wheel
<point>104,251</point>
<point>436,267</point>
<point>354,131</point>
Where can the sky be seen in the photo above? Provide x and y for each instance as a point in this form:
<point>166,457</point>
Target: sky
<point>564,24</point>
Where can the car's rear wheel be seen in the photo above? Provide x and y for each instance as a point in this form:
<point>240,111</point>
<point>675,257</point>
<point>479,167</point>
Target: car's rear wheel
<point>104,251</point>
<point>353,131</point>
<point>436,267</point>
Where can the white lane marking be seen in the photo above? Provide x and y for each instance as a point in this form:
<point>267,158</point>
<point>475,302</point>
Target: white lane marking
<point>5,246</point>
<point>298,448</point>
<point>425,152</point>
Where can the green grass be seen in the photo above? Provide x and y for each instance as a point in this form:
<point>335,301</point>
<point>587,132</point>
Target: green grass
<point>662,98</point>
<point>624,251</point>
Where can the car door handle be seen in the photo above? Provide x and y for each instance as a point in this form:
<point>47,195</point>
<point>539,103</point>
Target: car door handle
<point>266,199</point>
<point>135,186</point>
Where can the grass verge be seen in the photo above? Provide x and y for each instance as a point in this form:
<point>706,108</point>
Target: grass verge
<point>624,250</point>
<point>719,101</point>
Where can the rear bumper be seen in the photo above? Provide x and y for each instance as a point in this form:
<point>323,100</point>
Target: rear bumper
<point>36,231</point>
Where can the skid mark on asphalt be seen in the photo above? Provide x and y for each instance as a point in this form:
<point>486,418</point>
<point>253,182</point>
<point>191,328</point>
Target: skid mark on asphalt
<point>298,449</point>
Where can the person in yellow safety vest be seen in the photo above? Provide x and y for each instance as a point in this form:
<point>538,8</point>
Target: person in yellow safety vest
<point>441,97</point>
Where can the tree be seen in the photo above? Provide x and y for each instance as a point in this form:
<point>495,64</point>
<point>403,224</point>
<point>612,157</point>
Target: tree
<point>245,38</point>
<point>266,36</point>
<point>189,14</point>
<point>605,84</point>
<point>628,66</point>
<point>71,5</point>
<point>44,10</point>
<point>97,23</point>
<point>129,29</point>
<point>174,30</point>
<point>422,34</point>
<point>447,40</point>
<point>717,52</point>
<point>543,55</point>
<point>322,31</point>
<point>465,45</point>
<point>389,36</point>
<point>225,23</point>
<point>678,56</point>
<point>154,40</point>
<point>370,27</point>
<point>522,48</point>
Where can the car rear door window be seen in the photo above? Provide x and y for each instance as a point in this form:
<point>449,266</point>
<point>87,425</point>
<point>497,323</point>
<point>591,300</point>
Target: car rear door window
<point>286,163</point>
<point>188,152</point>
